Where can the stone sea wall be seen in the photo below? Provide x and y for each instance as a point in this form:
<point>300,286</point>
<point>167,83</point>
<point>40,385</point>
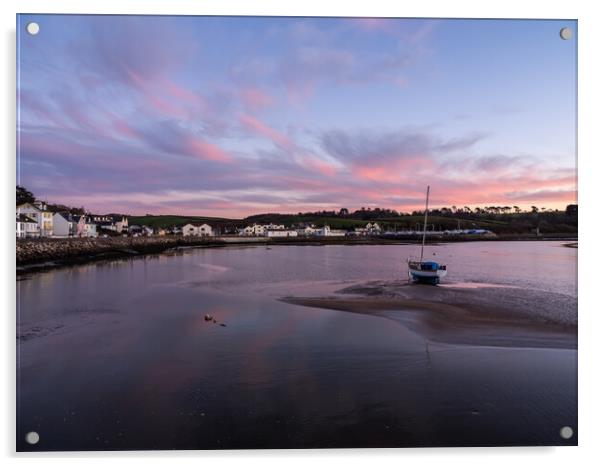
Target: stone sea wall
<point>32,251</point>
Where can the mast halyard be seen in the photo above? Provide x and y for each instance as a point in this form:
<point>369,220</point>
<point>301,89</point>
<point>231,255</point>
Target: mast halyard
<point>426,213</point>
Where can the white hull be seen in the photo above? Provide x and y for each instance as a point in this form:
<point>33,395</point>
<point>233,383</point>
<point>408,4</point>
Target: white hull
<point>427,273</point>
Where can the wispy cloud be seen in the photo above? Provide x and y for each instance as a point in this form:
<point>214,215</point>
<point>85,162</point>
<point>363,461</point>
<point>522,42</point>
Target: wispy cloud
<point>121,119</point>
<point>259,128</point>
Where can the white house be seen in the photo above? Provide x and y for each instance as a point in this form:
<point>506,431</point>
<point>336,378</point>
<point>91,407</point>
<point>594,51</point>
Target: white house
<point>80,226</point>
<point>39,212</point>
<point>121,224</point>
<point>259,230</point>
<point>306,231</point>
<point>327,231</point>
<point>369,229</point>
<point>189,230</point>
<point>279,233</point>
<point>63,227</point>
<point>90,230</point>
<point>116,223</point>
<point>64,224</point>
<point>373,228</point>
<point>140,230</point>
<point>196,229</point>
<point>27,227</point>
<point>20,220</point>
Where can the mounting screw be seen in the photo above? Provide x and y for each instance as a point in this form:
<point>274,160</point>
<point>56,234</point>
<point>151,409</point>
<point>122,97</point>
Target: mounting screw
<point>32,438</point>
<point>566,432</point>
<point>566,34</point>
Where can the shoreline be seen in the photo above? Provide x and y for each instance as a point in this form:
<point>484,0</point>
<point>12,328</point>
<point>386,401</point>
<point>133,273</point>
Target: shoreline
<point>43,254</point>
<point>35,255</point>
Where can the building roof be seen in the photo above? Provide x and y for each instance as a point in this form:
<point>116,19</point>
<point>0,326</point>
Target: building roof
<point>25,219</point>
<point>67,216</point>
<point>28,204</point>
<point>87,219</point>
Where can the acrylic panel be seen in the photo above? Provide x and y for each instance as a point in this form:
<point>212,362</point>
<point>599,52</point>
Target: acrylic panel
<point>286,232</point>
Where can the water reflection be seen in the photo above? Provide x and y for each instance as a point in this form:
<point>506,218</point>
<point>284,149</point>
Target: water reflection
<point>135,365</point>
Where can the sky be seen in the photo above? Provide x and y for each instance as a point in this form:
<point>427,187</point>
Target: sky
<point>234,116</point>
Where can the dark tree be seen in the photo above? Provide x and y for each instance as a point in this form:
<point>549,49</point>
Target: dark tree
<point>23,195</point>
<point>571,210</point>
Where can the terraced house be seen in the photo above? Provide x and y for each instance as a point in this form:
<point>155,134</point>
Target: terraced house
<point>197,229</point>
<point>27,227</point>
<point>38,211</point>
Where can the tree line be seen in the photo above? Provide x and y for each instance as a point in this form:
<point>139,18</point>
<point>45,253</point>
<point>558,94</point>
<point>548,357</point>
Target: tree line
<point>369,213</point>
<point>25,196</point>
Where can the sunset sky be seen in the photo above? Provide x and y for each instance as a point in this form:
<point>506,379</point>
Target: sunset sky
<point>235,116</point>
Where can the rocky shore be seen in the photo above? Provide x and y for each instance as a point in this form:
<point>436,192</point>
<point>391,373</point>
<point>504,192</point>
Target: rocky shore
<point>44,253</point>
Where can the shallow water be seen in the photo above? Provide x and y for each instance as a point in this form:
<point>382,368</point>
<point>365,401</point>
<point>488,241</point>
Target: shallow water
<point>117,355</point>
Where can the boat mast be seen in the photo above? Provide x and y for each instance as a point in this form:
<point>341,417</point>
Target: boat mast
<point>426,214</point>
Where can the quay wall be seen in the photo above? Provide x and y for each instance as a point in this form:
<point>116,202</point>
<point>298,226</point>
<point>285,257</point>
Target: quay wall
<point>31,251</point>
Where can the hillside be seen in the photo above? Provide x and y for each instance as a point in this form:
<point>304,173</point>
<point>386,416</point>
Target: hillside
<point>163,221</point>
<point>553,222</point>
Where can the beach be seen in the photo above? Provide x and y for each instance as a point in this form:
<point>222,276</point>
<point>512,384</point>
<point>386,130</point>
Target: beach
<point>462,313</point>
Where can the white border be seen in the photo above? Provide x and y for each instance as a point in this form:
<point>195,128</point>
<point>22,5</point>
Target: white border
<point>590,121</point>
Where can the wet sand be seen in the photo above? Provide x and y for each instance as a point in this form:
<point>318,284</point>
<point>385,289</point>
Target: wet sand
<point>463,313</point>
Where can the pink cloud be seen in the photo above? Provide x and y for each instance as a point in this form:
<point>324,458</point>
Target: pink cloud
<point>181,92</point>
<point>566,195</point>
<point>392,170</point>
<point>257,127</point>
<point>152,97</point>
<point>494,190</point>
<point>122,128</point>
<point>255,98</point>
<point>207,151</point>
<point>321,166</point>
<point>30,101</point>
<point>373,173</point>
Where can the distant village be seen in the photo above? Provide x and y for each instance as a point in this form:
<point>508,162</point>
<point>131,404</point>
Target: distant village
<point>35,220</point>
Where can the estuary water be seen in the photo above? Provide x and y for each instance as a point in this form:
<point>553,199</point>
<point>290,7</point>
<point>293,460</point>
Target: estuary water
<point>118,354</point>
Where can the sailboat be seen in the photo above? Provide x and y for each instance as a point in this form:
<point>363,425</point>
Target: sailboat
<point>426,271</point>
